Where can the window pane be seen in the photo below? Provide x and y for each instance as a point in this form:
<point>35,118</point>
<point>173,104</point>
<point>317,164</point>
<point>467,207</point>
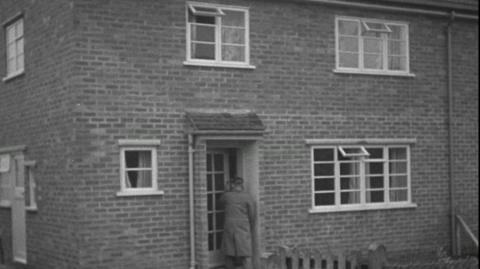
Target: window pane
<point>210,221</point>
<point>324,199</point>
<point>233,36</point>
<point>397,63</point>
<point>11,51</point>
<point>324,169</point>
<point>211,239</point>
<point>397,153</point>
<point>233,53</point>
<point>348,44</point>
<point>397,48</point>
<point>347,27</point>
<point>219,240</point>
<point>218,205</point>
<point>10,34</point>
<point>350,183</point>
<point>398,167</point>
<point>398,181</point>
<point>209,182</point>
<point>203,51</point>
<point>11,65</point>
<point>375,153</point>
<point>139,179</point>
<point>19,30</point>
<point>372,45</point>
<point>233,18</point>
<point>373,61</point>
<point>348,59</point>
<point>374,168</point>
<point>350,197</point>
<point>218,162</point>
<point>209,202</point>
<point>219,182</point>
<point>203,19</point>
<point>219,218</point>
<point>204,33</point>
<point>398,195</point>
<point>375,196</point>
<point>138,159</point>
<point>372,34</point>
<point>20,62</point>
<point>324,184</point>
<point>398,32</point>
<point>349,168</point>
<point>374,182</point>
<point>323,155</point>
<point>376,26</point>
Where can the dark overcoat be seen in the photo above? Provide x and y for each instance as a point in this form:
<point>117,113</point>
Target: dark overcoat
<point>240,217</point>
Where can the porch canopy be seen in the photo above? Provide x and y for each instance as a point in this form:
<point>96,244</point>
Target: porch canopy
<point>224,123</point>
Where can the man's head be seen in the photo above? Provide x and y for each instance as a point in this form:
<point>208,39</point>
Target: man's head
<point>236,182</point>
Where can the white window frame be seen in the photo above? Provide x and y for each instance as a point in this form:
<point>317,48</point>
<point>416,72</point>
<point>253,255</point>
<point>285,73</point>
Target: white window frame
<point>363,22</point>
<point>139,145</point>
<point>363,205</point>
<point>217,62</point>
<point>6,182</point>
<point>15,42</point>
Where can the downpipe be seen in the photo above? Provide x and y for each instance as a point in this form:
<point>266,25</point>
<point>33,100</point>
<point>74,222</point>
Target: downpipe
<point>450,137</point>
<point>191,201</point>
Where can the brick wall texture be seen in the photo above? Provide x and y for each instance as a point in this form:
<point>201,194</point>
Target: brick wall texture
<point>100,71</point>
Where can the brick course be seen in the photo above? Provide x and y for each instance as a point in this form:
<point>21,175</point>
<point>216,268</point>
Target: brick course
<point>99,71</point>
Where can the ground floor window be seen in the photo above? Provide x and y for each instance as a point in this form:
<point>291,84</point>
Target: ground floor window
<point>346,176</point>
<point>5,180</point>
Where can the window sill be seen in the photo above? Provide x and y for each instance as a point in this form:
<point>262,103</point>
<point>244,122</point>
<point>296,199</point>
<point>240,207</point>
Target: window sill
<point>13,75</point>
<point>5,204</point>
<point>374,73</point>
<point>31,209</point>
<point>361,208</point>
<point>139,193</point>
<point>218,64</point>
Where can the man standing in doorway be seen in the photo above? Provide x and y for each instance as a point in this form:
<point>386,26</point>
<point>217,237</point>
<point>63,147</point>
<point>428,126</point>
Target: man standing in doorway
<point>240,218</point>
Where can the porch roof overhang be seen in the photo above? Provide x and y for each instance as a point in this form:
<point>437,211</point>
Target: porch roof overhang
<point>224,123</point>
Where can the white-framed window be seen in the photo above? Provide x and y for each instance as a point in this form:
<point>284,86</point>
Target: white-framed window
<point>5,180</point>
<point>14,48</point>
<point>372,176</point>
<point>31,186</point>
<point>217,35</point>
<point>138,167</point>
<point>371,46</point>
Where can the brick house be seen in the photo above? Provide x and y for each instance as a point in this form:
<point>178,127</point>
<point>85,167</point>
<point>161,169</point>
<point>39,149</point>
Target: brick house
<point>121,121</point>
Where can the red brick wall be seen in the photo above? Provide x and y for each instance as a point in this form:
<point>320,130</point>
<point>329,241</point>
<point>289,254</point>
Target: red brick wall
<point>129,82</point>
<point>34,111</point>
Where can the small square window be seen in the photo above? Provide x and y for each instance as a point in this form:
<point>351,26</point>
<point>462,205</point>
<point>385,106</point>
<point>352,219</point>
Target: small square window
<point>138,167</point>
<point>353,151</point>
<point>376,27</point>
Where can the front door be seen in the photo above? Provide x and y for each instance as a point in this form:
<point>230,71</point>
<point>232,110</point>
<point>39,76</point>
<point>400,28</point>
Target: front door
<point>217,178</point>
<point>18,211</point>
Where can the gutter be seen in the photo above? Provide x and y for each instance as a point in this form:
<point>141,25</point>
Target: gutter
<point>450,135</point>
<point>394,8</point>
<point>191,201</point>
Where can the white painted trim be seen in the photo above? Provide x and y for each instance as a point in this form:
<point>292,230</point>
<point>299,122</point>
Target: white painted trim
<point>154,168</point>
<point>5,204</point>
<point>139,193</point>
<point>14,75</point>
<point>12,149</point>
<point>361,69</point>
<point>366,141</point>
<point>345,208</point>
<point>218,64</point>
<point>139,142</point>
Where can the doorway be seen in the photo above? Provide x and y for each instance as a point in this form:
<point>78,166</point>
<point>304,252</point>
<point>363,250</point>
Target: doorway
<point>224,160</point>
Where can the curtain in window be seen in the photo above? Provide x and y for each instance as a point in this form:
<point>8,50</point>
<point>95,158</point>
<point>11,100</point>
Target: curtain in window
<point>144,177</point>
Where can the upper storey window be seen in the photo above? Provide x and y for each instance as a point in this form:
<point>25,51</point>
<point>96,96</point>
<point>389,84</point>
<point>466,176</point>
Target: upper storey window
<point>217,35</point>
<point>14,45</point>
<point>371,46</point>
